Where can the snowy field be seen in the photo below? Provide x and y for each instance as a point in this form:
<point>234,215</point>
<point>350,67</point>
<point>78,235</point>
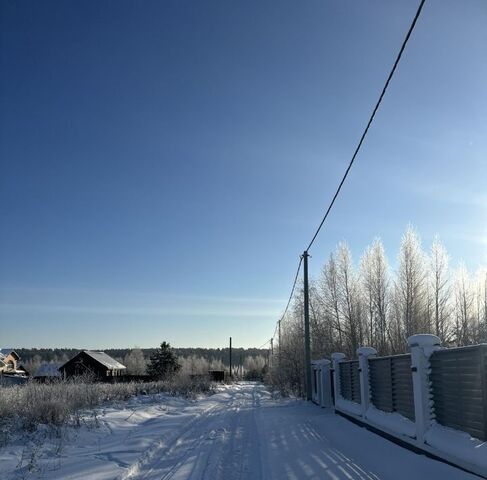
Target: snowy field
<point>241,432</point>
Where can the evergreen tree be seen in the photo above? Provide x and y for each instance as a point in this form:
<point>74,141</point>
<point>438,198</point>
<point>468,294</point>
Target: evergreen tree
<point>163,362</point>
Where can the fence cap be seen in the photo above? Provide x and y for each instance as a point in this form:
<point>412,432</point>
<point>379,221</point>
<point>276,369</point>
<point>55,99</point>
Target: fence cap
<point>337,356</point>
<point>366,351</point>
<point>423,340</point>
<point>323,361</point>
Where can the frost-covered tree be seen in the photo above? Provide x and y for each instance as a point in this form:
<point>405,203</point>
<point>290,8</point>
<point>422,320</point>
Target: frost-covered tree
<point>464,304</point>
<point>329,297</point>
<point>374,279</point>
<point>411,285</point>
<point>349,298</point>
<point>375,306</point>
<point>135,362</point>
<point>439,278</point>
<point>481,282</point>
<point>194,365</point>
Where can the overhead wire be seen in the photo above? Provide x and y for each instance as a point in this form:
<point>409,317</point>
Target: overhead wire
<point>371,119</point>
<point>355,153</point>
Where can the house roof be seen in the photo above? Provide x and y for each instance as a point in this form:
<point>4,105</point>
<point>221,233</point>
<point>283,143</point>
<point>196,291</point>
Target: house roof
<point>104,359</point>
<point>4,352</point>
<point>48,370</point>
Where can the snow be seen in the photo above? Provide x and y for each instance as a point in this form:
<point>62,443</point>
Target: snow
<point>394,422</point>
<point>423,340</point>
<point>348,407</point>
<point>241,432</point>
<point>104,359</point>
<point>458,445</point>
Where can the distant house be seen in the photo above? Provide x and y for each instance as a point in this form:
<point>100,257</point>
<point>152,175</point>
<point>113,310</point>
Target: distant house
<point>22,370</point>
<point>11,371</point>
<point>96,364</point>
<point>8,361</point>
<point>48,372</point>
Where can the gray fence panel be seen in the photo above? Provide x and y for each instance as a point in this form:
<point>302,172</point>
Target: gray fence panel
<point>380,373</point>
<point>350,381</point>
<point>391,384</point>
<point>459,388</point>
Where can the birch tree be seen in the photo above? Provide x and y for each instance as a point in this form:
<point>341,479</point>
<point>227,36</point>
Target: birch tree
<point>375,283</point>
<point>329,294</point>
<point>349,298</point>
<point>440,288</point>
<point>464,302</point>
<point>411,285</point>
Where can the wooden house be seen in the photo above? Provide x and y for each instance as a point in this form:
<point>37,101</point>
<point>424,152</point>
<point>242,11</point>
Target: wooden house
<point>97,365</point>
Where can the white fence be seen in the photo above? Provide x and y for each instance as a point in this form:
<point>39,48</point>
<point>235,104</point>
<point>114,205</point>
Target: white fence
<point>412,415</point>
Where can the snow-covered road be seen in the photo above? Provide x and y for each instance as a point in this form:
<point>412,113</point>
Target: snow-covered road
<point>242,432</point>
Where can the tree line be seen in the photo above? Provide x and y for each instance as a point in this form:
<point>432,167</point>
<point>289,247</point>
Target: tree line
<point>192,360</point>
<point>369,303</point>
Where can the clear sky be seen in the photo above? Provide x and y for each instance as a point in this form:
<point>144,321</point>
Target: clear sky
<point>164,163</point>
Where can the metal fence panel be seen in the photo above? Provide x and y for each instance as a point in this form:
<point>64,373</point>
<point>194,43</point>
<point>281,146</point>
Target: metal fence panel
<point>350,381</point>
<point>459,388</point>
<point>391,384</point>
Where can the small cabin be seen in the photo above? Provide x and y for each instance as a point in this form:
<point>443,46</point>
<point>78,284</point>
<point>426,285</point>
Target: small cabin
<point>48,372</point>
<point>97,365</point>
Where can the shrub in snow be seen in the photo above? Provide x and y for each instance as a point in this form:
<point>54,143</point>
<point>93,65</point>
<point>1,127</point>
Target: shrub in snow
<point>57,404</point>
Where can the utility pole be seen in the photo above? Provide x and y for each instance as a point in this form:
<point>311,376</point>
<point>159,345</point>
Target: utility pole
<point>279,323</point>
<point>307,342</point>
<point>230,357</point>
<point>271,361</point>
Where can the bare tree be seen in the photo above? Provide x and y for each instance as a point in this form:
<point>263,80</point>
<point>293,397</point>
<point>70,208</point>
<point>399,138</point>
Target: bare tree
<point>481,280</point>
<point>329,295</point>
<point>440,289</point>
<point>348,308</point>
<point>464,303</point>
<point>375,283</point>
<point>349,298</point>
<point>411,285</point>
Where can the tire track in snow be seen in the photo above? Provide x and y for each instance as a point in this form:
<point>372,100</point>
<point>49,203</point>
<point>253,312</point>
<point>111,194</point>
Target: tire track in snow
<point>161,447</point>
<point>217,445</point>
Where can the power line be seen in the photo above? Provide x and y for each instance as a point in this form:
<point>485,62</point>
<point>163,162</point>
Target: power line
<point>289,299</point>
<point>355,153</point>
<point>293,288</point>
<point>264,344</point>
<point>364,134</point>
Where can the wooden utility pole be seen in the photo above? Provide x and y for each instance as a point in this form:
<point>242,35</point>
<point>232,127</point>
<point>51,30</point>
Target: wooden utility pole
<point>271,360</point>
<point>307,341</point>
<point>279,323</point>
<point>231,357</point>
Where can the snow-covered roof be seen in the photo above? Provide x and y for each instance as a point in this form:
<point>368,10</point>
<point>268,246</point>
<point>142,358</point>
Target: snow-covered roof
<point>105,359</point>
<point>48,370</point>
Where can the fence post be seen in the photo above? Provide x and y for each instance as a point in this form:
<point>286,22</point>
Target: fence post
<point>336,359</point>
<point>422,346</point>
<point>314,382</point>
<point>363,363</point>
<point>325,381</point>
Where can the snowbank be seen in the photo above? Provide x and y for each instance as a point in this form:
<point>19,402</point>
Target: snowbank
<point>348,407</point>
<point>394,422</point>
<point>459,445</point>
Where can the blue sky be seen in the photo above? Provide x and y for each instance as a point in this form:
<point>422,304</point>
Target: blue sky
<point>163,164</point>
